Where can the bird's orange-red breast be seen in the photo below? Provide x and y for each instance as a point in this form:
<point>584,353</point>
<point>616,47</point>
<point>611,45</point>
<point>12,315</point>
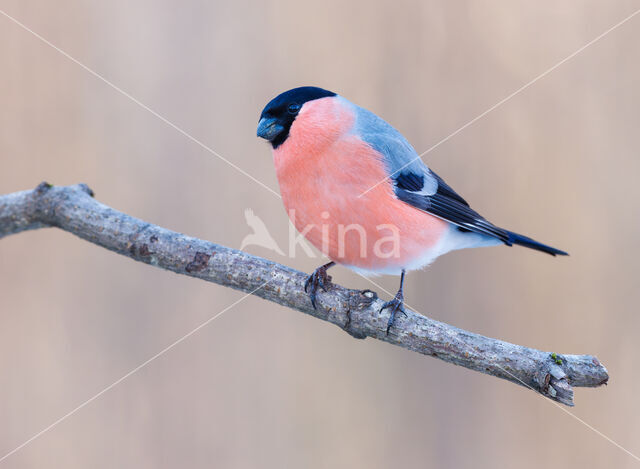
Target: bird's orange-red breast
<point>323,168</point>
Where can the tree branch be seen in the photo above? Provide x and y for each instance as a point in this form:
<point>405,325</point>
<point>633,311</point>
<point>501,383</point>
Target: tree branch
<point>73,209</point>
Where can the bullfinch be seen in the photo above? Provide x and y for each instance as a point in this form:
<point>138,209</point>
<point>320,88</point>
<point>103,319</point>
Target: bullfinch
<point>358,191</point>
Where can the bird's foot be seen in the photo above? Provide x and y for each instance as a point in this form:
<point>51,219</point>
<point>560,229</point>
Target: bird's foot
<point>396,305</point>
<point>319,278</point>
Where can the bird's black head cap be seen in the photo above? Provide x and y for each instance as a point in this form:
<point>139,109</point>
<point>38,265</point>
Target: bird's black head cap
<point>278,115</point>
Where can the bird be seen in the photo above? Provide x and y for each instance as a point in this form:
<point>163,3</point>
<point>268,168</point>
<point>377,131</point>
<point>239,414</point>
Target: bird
<point>359,192</point>
<point>260,236</point>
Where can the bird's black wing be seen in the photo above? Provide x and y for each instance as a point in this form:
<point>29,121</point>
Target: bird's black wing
<point>445,203</point>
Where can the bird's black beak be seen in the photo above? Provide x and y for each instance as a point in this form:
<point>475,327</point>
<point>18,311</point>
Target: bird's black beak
<point>268,128</point>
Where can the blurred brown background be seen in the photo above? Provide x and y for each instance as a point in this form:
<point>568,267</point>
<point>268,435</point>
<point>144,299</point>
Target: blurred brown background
<point>263,386</point>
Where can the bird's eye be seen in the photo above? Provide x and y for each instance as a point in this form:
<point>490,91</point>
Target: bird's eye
<point>293,108</point>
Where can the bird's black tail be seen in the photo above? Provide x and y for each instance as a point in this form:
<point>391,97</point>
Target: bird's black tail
<point>515,238</point>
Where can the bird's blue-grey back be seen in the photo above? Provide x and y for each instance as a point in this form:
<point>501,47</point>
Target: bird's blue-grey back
<point>399,155</point>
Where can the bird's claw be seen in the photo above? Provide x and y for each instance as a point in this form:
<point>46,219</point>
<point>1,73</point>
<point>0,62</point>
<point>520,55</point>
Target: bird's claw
<point>397,304</point>
<point>318,278</point>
